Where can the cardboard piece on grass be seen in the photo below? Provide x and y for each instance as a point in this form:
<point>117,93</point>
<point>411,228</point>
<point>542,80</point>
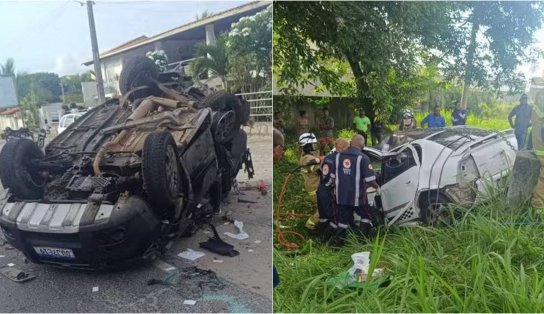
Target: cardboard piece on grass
<point>189,302</point>
<point>241,235</point>
<point>191,255</point>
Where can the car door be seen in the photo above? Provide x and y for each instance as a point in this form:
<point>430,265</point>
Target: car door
<point>400,180</point>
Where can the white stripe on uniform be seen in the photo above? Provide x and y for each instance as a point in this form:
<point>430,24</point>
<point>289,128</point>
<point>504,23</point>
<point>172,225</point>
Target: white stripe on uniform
<point>358,179</point>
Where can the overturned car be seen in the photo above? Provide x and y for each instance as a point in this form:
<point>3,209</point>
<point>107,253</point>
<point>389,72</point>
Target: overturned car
<point>128,177</point>
<point>424,170</point>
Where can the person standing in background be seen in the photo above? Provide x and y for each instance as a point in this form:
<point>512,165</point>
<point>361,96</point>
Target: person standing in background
<point>408,121</point>
<point>434,120</point>
<point>459,115</point>
<point>361,124</point>
<point>278,123</point>
<point>326,128</point>
<point>537,120</point>
<point>523,113</point>
<point>303,123</point>
<point>376,129</point>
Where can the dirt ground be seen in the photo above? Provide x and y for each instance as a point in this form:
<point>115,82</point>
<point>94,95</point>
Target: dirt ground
<point>237,284</point>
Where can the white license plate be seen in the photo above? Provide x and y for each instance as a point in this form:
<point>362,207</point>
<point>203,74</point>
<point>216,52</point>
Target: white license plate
<point>54,252</point>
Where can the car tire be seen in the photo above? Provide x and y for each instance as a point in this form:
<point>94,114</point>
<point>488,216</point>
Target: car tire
<point>161,172</point>
<point>136,72</point>
<point>222,101</point>
<point>434,209</point>
<point>14,171</point>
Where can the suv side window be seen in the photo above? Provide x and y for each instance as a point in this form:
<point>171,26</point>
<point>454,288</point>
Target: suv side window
<point>394,165</point>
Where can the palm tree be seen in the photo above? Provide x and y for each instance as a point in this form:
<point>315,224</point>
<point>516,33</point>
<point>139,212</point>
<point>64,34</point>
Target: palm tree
<point>212,59</point>
<point>8,68</point>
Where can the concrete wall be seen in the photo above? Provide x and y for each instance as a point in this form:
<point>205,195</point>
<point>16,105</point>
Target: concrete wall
<point>13,121</point>
<point>341,109</point>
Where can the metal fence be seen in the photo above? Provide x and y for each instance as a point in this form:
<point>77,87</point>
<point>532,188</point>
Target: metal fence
<point>261,105</point>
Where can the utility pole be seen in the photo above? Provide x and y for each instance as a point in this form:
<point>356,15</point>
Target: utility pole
<point>62,90</point>
<point>96,55</point>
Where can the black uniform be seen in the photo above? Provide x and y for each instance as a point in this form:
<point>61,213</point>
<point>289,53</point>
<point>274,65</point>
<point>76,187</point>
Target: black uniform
<point>325,195</point>
<point>352,171</point>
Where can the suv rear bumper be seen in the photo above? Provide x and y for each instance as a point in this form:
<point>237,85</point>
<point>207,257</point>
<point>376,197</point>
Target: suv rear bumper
<point>105,236</point>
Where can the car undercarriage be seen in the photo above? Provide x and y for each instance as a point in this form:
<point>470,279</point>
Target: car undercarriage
<point>127,177</point>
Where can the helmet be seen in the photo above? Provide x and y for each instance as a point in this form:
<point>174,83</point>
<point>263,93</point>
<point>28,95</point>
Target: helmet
<point>407,114</point>
<point>307,138</point>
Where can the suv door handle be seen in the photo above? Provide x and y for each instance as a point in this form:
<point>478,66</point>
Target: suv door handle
<point>408,182</point>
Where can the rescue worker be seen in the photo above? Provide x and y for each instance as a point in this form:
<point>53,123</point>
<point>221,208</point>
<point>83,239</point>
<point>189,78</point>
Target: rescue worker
<point>325,193</point>
<point>523,113</point>
<point>459,115</point>
<point>326,128</point>
<point>361,124</point>
<point>303,123</point>
<point>353,172</point>
<point>310,173</point>
<point>434,120</point>
<point>538,144</point>
<point>408,121</point>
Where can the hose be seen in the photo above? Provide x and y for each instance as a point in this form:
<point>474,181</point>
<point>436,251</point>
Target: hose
<point>281,234</point>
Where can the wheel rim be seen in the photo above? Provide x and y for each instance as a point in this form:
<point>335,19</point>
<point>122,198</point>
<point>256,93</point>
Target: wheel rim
<point>225,127</point>
<point>438,213</point>
<point>171,170</point>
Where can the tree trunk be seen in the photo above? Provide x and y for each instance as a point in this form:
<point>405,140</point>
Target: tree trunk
<point>471,50</point>
<point>362,86</point>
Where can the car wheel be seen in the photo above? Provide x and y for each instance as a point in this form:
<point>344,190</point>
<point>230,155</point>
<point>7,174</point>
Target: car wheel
<point>224,126</point>
<point>161,172</point>
<point>435,211</point>
<point>15,171</point>
<point>139,71</point>
<point>221,101</point>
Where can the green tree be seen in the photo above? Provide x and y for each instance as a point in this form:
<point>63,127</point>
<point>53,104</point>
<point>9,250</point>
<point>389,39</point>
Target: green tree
<point>45,86</point>
<point>29,109</point>
<point>490,40</point>
<point>249,46</point>
<point>376,39</point>
<point>8,68</point>
<point>212,58</point>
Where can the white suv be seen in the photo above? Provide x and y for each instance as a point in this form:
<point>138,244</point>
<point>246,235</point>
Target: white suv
<point>435,167</point>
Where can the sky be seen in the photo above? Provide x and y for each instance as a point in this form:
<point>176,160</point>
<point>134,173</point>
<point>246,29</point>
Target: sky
<point>53,36</point>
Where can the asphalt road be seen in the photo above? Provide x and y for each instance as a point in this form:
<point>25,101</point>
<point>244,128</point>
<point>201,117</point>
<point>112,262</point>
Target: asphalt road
<point>238,284</point>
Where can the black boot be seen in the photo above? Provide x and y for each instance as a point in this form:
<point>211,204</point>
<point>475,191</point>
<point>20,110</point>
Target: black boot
<point>339,237</point>
<point>326,234</point>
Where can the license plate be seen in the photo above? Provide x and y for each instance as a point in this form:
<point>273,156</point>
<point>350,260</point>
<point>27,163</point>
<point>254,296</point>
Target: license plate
<point>55,252</point>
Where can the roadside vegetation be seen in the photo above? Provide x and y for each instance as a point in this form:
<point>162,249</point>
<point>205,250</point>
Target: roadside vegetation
<point>489,260</point>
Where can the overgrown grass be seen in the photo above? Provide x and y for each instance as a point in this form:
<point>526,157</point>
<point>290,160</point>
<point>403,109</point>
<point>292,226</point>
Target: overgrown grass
<point>490,260</point>
<point>490,122</point>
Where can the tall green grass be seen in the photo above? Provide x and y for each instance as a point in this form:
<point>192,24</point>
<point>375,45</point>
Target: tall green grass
<point>489,260</point>
<point>488,122</point>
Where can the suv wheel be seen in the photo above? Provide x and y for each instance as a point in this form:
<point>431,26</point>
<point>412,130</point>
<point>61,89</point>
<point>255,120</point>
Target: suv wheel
<point>161,172</point>
<point>16,172</point>
<point>435,211</point>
